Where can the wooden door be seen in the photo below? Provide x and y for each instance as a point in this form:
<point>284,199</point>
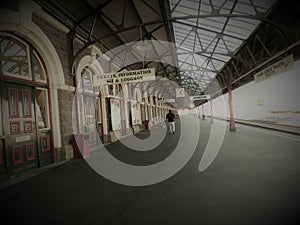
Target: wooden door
<point>3,171</point>
<point>19,128</point>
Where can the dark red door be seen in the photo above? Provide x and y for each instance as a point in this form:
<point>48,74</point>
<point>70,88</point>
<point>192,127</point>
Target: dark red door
<point>3,171</point>
<point>19,128</point>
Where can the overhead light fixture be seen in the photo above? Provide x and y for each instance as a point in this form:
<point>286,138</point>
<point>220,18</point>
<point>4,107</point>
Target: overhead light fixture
<point>143,45</point>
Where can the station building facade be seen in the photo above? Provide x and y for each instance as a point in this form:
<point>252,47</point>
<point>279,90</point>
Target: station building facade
<point>44,104</point>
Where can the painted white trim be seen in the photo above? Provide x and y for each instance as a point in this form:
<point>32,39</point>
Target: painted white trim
<point>126,99</point>
<point>62,87</point>
<point>104,115</point>
<point>55,120</point>
<point>137,94</point>
<point>93,64</point>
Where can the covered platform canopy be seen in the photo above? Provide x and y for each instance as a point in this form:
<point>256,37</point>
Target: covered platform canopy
<point>214,44</point>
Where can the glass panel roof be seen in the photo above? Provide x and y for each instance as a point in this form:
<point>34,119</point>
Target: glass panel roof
<point>208,32</point>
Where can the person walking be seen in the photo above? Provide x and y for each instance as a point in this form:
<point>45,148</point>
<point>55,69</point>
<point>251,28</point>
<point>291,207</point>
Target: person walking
<point>171,121</point>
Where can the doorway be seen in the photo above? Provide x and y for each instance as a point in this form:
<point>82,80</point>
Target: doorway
<point>26,134</point>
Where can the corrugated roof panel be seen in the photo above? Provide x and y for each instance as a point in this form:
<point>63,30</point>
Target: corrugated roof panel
<point>181,27</point>
<point>247,24</point>
<point>232,43</point>
<point>240,28</point>
<point>187,9</point>
<point>205,7</point>
<point>243,8</point>
<point>216,24</point>
<point>188,22</point>
<point>211,46</point>
<point>221,57</point>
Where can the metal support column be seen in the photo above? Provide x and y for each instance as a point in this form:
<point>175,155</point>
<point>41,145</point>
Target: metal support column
<point>211,111</point>
<point>232,123</point>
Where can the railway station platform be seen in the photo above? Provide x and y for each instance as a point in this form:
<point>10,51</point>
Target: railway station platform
<point>253,180</point>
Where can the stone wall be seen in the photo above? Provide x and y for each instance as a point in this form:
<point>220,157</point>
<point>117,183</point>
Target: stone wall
<point>60,42</point>
<point>65,97</point>
<point>67,121</point>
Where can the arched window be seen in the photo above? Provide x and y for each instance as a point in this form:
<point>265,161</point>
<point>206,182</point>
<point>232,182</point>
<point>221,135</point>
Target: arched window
<point>19,60</point>
<point>14,58</point>
<point>86,78</point>
<point>39,74</point>
<point>87,105</point>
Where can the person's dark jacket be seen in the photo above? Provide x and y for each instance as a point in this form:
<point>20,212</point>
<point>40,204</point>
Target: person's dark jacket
<point>170,117</point>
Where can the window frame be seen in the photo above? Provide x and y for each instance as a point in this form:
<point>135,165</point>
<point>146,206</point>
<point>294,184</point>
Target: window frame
<point>35,54</point>
<point>30,53</point>
<point>29,77</point>
<point>47,119</point>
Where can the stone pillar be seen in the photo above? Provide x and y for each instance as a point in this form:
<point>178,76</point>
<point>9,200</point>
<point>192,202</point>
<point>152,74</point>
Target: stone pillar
<point>65,102</point>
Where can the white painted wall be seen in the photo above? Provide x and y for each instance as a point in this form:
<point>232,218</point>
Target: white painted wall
<point>275,99</point>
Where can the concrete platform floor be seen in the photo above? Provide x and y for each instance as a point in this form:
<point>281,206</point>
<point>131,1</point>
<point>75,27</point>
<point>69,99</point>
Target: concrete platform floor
<point>255,179</point>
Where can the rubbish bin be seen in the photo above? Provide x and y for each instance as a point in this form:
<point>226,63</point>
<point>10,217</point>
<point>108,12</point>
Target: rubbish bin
<point>81,146</point>
<point>146,124</point>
